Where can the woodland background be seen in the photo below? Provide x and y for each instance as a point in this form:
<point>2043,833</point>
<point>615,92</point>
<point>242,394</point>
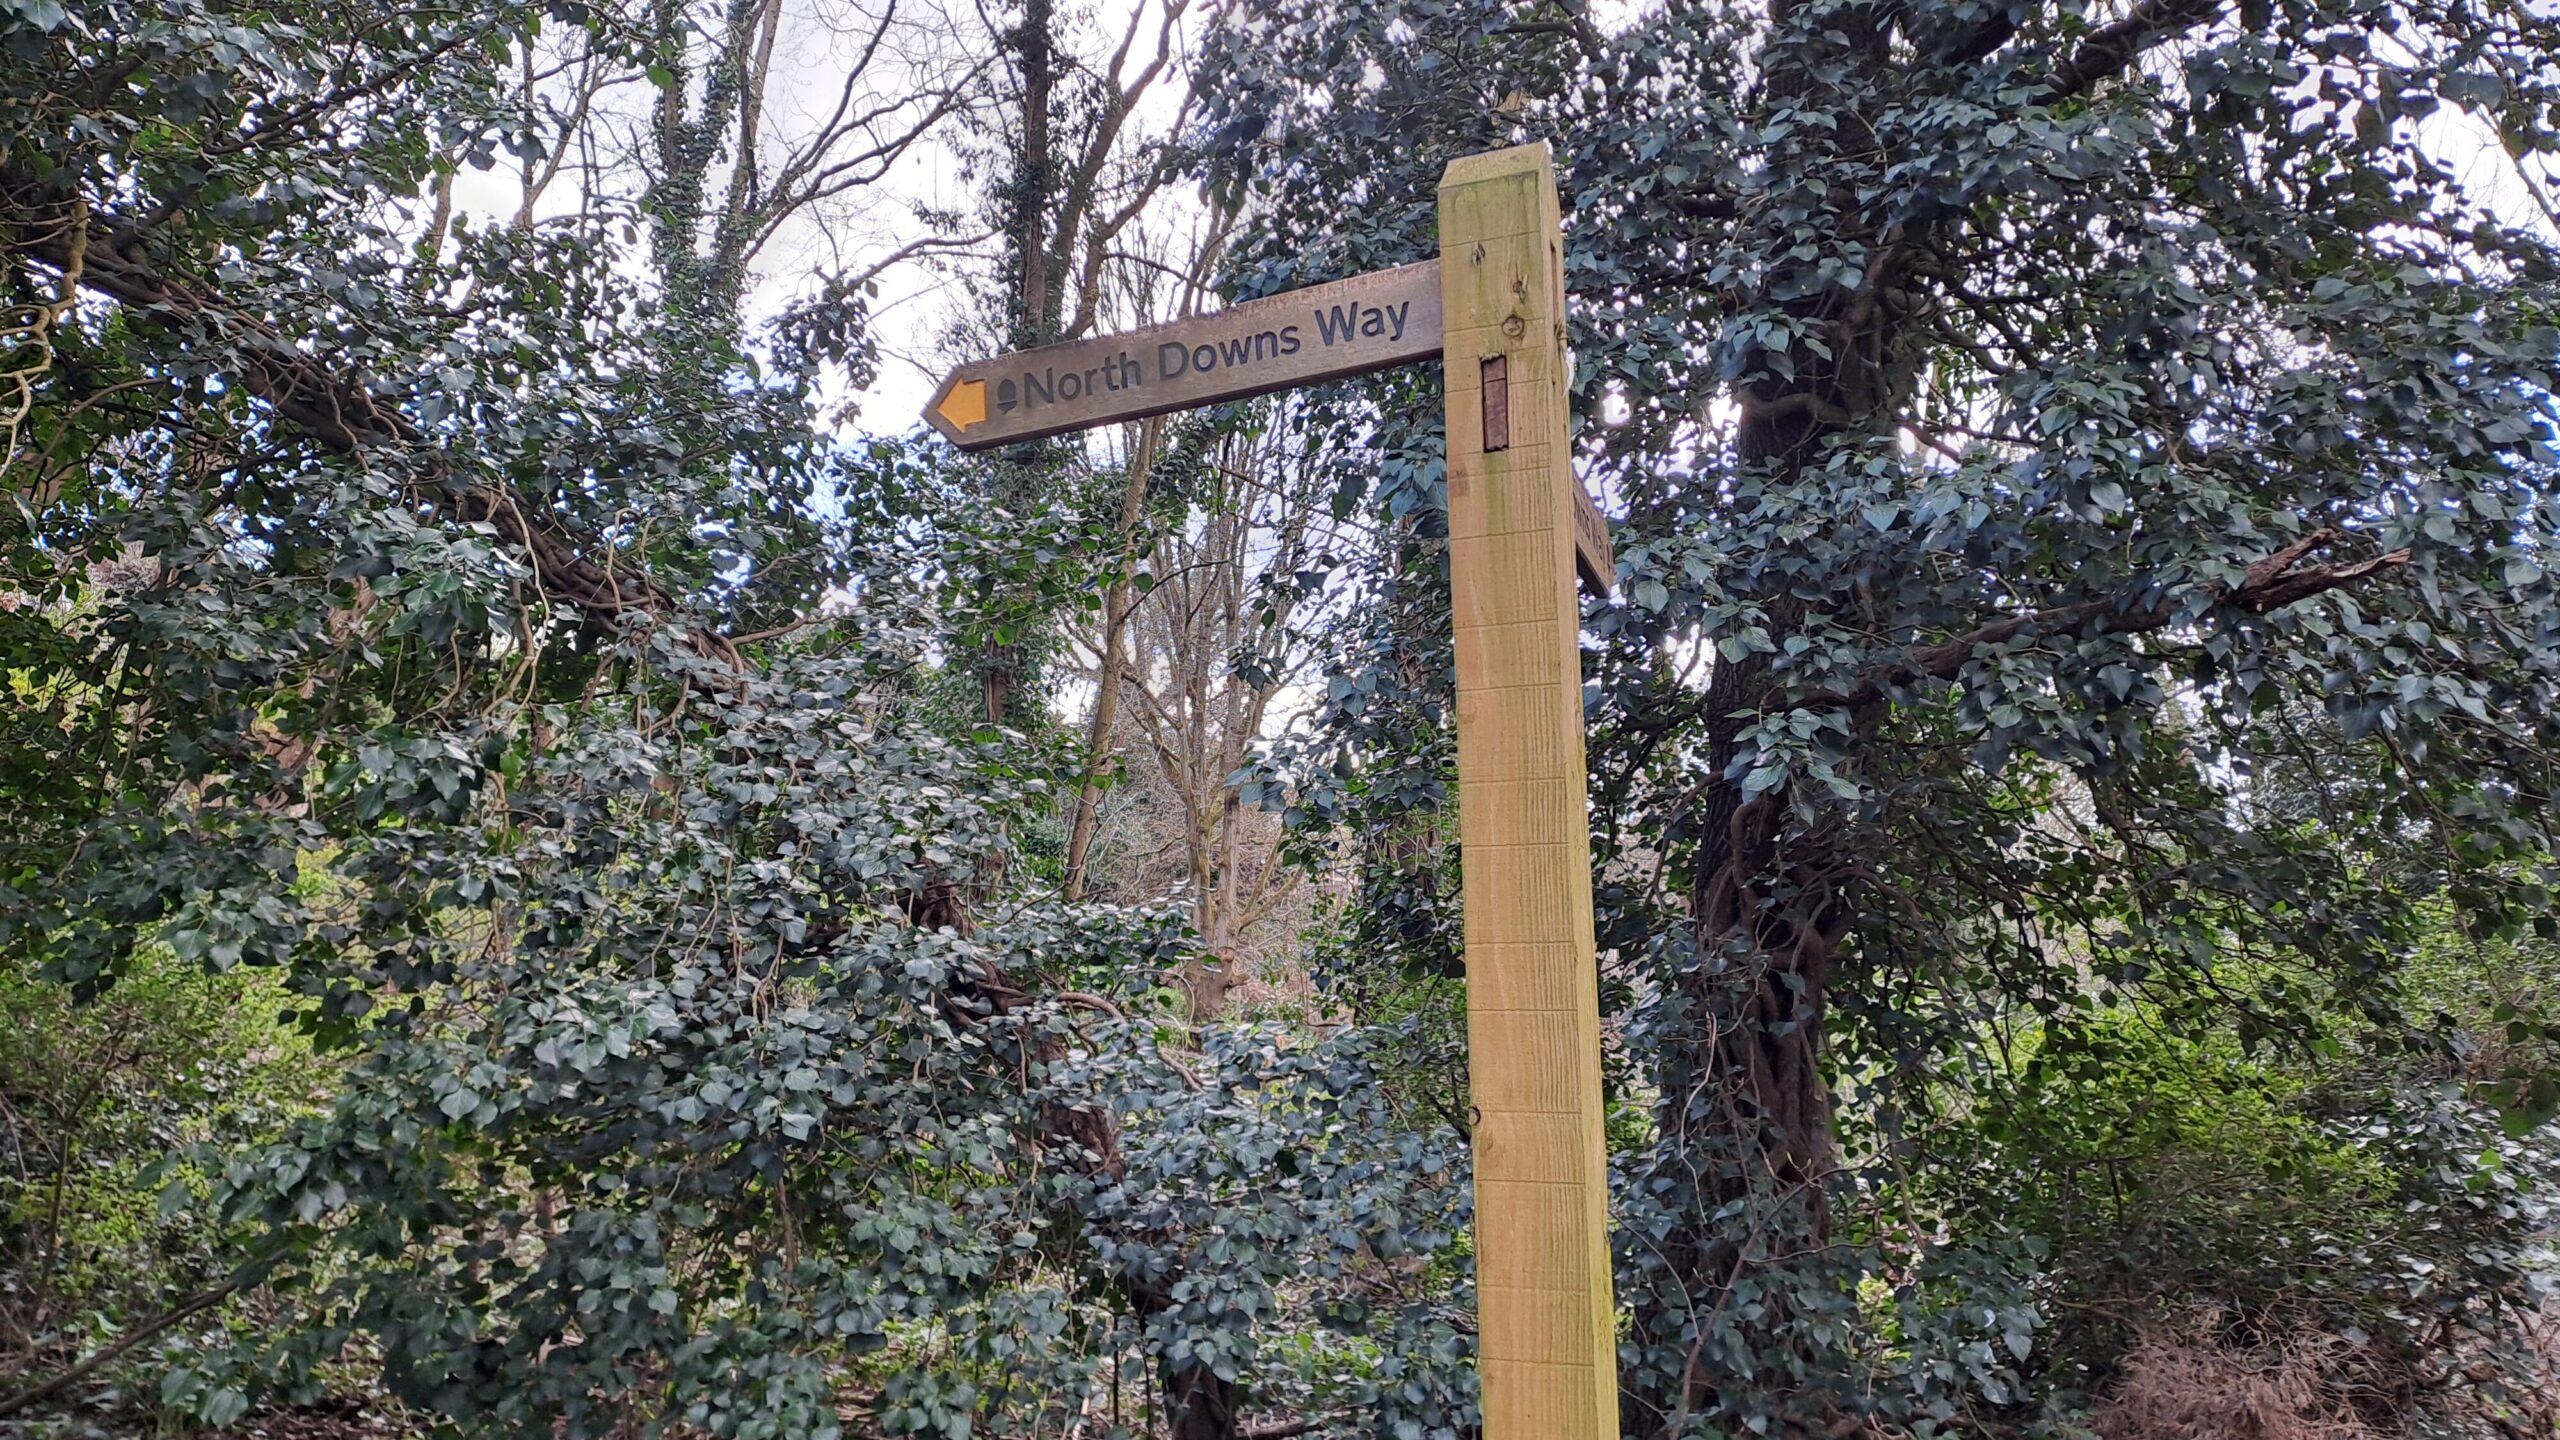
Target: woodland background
<point>564,871</point>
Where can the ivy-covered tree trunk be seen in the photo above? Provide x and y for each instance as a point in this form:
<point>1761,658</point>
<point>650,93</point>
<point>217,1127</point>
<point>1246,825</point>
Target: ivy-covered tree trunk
<point>1030,193</point>
<point>2007,405</point>
<point>1745,1116</point>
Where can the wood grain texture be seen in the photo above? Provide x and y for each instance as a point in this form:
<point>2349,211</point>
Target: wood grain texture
<point>1520,527</point>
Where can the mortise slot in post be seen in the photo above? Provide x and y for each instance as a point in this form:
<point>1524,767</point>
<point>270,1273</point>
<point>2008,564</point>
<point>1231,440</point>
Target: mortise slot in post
<point>1496,389</point>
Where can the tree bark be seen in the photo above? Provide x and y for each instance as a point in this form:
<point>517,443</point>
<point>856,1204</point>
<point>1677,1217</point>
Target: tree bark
<point>1035,174</point>
<point>1746,1119</point>
<point>1117,603</point>
<point>1745,1122</point>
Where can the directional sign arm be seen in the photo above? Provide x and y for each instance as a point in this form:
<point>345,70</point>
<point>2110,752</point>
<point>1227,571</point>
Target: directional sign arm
<point>1324,332</point>
<point>1304,337</point>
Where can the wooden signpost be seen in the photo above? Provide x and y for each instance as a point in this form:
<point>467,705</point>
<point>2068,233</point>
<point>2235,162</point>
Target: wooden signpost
<point>1520,527</point>
<point>1350,327</point>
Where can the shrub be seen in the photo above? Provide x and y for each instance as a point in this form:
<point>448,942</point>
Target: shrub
<point>2359,1219</point>
<point>102,1108</point>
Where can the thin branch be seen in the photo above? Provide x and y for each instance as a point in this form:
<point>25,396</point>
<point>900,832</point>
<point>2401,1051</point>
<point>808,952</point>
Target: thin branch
<point>193,1305</point>
<point>2110,48</point>
<point>914,249</point>
<point>2266,586</point>
<point>1280,1429</point>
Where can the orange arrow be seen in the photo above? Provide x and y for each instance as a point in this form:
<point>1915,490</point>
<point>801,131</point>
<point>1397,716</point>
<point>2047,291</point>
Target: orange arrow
<point>965,405</point>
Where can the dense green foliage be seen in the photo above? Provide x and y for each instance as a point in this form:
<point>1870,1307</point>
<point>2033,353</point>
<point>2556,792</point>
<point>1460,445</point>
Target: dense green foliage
<point>529,879</point>
<point>375,615</point>
<point>2085,630</point>
<point>119,1117</point>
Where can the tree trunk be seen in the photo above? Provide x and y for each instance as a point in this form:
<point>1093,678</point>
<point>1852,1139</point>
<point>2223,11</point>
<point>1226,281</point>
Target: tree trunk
<point>1746,1123</point>
<point>1035,55</point>
<point>1097,735</point>
<point>1117,603</point>
<point>1022,468</point>
<point>1035,175</point>
<point>1225,904</point>
<point>1746,1141</point>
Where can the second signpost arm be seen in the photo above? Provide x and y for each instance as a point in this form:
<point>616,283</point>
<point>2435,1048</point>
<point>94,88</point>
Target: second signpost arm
<point>1547,1350</point>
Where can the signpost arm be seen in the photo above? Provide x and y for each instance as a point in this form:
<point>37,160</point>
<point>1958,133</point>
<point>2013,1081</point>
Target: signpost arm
<point>1547,1350</point>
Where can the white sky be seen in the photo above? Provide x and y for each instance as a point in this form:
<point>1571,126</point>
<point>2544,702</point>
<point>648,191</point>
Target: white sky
<point>920,301</point>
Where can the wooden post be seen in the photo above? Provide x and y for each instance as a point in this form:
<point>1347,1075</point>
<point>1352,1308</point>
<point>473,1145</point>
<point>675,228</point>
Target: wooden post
<point>1547,1322</point>
<point>1520,528</point>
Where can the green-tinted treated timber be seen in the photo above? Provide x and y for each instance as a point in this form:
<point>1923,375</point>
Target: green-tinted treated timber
<point>1547,1341</point>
